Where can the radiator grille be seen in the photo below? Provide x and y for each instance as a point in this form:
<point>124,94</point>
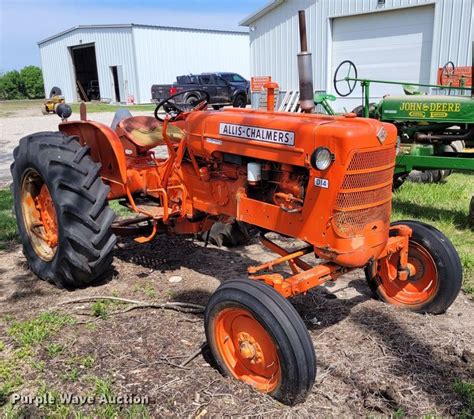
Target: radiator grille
<point>371,159</point>
<point>358,199</point>
<point>356,209</point>
<point>365,180</point>
<point>352,223</point>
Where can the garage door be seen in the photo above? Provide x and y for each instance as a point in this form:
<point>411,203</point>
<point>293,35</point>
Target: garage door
<point>392,45</point>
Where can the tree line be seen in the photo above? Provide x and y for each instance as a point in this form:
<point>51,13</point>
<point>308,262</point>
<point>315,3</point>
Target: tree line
<point>24,84</point>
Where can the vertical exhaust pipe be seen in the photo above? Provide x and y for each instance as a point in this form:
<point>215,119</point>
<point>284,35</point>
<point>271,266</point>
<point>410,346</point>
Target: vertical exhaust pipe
<point>305,69</point>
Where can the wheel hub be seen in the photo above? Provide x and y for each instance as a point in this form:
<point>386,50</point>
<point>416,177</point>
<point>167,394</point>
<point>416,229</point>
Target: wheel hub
<point>47,216</point>
<point>39,215</point>
<point>249,348</point>
<point>421,284</point>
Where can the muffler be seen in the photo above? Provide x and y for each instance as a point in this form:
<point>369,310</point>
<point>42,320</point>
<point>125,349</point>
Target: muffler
<point>305,69</point>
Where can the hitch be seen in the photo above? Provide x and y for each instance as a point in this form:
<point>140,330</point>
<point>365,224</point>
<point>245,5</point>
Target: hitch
<point>304,276</point>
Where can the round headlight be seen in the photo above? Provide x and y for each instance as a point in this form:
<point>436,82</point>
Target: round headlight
<point>322,158</point>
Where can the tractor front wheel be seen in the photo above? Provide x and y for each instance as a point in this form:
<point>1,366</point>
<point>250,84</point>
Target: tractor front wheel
<point>438,273</point>
<point>61,209</point>
<point>256,336</point>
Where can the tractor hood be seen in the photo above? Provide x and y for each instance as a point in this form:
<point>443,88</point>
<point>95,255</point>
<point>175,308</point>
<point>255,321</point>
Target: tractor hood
<point>283,137</point>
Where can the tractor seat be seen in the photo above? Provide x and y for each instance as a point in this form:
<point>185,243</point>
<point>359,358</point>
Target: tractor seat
<point>146,132</point>
<point>411,90</point>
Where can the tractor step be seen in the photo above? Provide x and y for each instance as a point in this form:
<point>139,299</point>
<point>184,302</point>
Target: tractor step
<point>156,211</point>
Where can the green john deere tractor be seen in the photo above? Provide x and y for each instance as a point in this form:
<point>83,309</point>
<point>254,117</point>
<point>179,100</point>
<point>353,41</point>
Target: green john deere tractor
<point>433,129</point>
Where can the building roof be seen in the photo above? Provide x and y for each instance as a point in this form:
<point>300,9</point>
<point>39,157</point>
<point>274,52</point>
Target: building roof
<point>261,12</point>
<point>135,25</point>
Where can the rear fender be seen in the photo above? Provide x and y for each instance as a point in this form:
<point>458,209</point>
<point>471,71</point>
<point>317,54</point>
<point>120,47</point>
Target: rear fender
<point>106,148</point>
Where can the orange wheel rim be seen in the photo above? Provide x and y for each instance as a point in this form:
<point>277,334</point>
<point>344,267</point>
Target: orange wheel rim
<point>419,288</point>
<point>247,349</point>
<point>39,215</point>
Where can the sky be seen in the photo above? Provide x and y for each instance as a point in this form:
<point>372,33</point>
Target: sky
<point>25,22</point>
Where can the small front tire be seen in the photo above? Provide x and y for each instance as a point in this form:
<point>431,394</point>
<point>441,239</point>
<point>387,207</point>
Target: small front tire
<point>256,336</point>
<point>438,277</point>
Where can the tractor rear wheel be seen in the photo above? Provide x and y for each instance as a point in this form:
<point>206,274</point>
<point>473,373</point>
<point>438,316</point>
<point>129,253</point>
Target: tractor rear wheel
<point>61,209</point>
<point>257,336</point>
<point>438,277</point>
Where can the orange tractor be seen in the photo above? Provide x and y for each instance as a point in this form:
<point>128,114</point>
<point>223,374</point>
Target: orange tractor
<point>323,180</point>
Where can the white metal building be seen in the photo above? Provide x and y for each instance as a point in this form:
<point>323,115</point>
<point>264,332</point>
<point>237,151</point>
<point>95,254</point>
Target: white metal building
<point>126,60</point>
<point>405,40</point>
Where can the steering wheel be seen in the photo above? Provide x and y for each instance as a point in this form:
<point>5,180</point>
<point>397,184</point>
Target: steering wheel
<point>345,70</point>
<point>447,73</point>
<point>174,108</point>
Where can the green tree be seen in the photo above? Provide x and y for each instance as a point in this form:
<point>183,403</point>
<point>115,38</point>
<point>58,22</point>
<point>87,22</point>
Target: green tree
<point>11,86</point>
<point>32,81</point>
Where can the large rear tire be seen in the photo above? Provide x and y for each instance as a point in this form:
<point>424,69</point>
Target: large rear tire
<point>256,336</point>
<point>61,209</point>
<point>438,277</point>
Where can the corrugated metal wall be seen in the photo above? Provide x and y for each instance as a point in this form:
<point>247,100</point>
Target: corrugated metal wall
<point>113,46</point>
<point>149,55</point>
<point>162,54</point>
<point>274,37</point>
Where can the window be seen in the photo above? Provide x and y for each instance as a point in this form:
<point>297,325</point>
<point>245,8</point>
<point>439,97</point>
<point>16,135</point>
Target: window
<point>221,82</point>
<point>233,78</point>
<point>206,79</point>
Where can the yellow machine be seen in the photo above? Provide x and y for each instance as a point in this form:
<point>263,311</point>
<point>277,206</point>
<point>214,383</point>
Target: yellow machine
<point>51,104</point>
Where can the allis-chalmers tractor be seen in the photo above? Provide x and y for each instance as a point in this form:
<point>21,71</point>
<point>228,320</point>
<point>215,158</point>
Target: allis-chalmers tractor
<point>323,180</point>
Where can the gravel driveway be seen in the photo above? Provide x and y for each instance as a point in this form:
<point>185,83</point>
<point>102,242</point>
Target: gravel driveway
<point>13,128</point>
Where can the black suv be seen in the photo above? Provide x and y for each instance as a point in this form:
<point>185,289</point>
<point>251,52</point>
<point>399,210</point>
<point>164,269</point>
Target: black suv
<point>223,88</point>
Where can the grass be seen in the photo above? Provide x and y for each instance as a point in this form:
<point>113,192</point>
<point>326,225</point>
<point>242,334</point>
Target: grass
<point>466,391</point>
<point>11,107</point>
<point>103,403</point>
<point>31,332</point>
<point>146,288</point>
<point>8,230</point>
<point>446,207</point>
<point>27,334</point>
<point>20,358</point>
<point>120,210</point>
<point>54,349</point>
<point>10,379</point>
<point>100,309</point>
<point>14,107</point>
<point>94,107</point>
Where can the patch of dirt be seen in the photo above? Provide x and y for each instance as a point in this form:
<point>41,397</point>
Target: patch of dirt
<point>373,359</point>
